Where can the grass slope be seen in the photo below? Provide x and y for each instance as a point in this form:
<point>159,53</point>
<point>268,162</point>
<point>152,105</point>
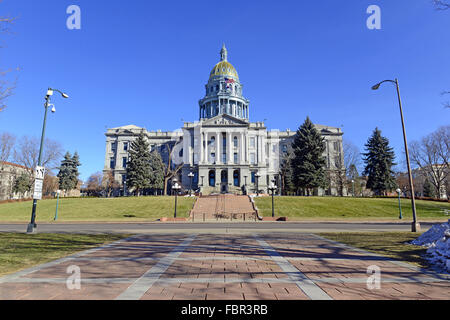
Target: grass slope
<point>388,244</point>
<point>98,209</point>
<point>343,208</point>
<point>20,251</point>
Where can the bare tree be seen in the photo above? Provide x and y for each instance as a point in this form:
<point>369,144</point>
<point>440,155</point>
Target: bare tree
<point>6,87</point>
<point>27,153</point>
<point>109,183</point>
<point>441,4</point>
<point>51,183</point>
<point>94,183</point>
<point>431,156</point>
<point>170,171</point>
<point>7,142</point>
<point>352,156</point>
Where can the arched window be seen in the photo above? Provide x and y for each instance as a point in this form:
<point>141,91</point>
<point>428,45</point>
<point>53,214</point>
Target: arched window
<point>212,178</point>
<point>236,178</point>
<point>235,142</point>
<point>213,141</point>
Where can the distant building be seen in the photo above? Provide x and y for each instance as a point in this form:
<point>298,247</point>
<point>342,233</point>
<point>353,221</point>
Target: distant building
<point>9,172</point>
<point>223,149</point>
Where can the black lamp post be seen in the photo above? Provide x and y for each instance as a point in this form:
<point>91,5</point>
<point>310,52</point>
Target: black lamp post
<point>273,188</point>
<point>415,227</point>
<point>190,175</point>
<point>257,175</point>
<point>32,225</point>
<point>176,188</point>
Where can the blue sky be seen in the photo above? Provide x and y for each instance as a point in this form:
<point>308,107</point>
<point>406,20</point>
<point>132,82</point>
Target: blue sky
<point>146,63</point>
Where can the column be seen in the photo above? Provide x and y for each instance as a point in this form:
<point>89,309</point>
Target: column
<point>218,147</point>
<point>230,152</point>
<point>201,146</point>
<point>241,148</point>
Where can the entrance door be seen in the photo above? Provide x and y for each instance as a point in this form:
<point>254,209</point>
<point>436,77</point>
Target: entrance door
<point>224,181</point>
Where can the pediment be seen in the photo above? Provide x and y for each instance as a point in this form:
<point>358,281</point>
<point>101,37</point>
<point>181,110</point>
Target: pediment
<point>224,120</point>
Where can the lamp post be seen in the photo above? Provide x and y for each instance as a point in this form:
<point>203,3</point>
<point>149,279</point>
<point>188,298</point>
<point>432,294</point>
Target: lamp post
<point>32,225</point>
<point>273,188</point>
<point>257,175</point>
<point>399,203</point>
<point>415,227</point>
<point>353,187</point>
<point>190,175</point>
<point>58,192</point>
<point>176,188</point>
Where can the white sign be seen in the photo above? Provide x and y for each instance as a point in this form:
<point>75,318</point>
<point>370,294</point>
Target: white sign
<point>39,173</point>
<point>38,189</point>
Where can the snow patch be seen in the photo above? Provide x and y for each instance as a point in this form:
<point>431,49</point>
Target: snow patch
<point>437,240</point>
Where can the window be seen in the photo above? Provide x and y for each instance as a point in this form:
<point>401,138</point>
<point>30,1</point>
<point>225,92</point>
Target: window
<point>124,162</point>
<point>224,158</point>
<point>125,146</point>
<point>181,153</point>
<point>235,142</point>
<point>252,142</point>
<point>212,158</point>
<point>284,148</point>
<point>252,158</point>
<point>212,142</point>
<point>114,146</point>
<point>235,158</point>
<point>112,163</point>
<point>253,177</point>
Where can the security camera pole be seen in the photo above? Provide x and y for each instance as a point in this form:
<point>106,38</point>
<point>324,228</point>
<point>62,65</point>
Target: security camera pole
<point>415,227</point>
<point>32,225</point>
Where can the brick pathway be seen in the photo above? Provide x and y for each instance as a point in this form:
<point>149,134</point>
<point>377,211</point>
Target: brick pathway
<point>221,267</point>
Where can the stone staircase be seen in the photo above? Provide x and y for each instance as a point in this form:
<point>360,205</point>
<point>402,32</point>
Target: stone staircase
<point>223,207</point>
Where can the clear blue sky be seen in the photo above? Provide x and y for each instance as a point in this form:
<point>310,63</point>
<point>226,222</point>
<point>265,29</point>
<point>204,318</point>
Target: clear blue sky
<point>146,63</point>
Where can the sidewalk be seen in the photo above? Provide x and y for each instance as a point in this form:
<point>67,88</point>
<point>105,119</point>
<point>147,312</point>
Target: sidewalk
<point>222,267</point>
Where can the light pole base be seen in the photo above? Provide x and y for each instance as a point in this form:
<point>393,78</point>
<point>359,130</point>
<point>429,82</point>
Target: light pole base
<point>415,227</point>
<point>31,228</point>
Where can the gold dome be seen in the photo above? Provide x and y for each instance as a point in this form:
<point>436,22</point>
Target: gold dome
<point>224,68</point>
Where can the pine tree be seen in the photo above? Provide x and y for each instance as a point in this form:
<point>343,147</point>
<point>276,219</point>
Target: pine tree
<point>379,160</point>
<point>428,189</point>
<point>22,184</point>
<point>139,170</point>
<point>157,171</point>
<point>308,162</point>
<point>65,173</point>
<point>74,170</point>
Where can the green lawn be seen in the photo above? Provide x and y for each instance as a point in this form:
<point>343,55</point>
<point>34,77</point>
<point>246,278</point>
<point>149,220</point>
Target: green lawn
<point>388,244</point>
<point>19,251</point>
<point>98,209</point>
<point>344,208</point>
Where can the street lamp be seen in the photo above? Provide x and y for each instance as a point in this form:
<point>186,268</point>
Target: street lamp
<point>175,187</point>
<point>353,187</point>
<point>32,225</point>
<point>58,192</point>
<point>257,175</point>
<point>190,175</point>
<point>415,227</point>
<point>273,188</point>
<point>399,203</point>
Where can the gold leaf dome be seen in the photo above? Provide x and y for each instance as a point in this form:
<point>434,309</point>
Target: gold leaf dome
<point>224,68</point>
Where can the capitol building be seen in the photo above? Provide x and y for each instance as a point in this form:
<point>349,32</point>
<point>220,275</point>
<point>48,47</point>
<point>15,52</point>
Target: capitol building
<point>224,150</point>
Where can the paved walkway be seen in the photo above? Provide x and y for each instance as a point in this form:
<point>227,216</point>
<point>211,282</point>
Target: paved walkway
<point>221,267</point>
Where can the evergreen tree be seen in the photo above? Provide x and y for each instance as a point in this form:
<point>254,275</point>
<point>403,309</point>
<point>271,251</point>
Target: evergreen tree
<point>157,171</point>
<point>139,171</point>
<point>68,171</point>
<point>74,170</point>
<point>65,173</point>
<point>428,189</point>
<point>22,184</point>
<point>308,162</point>
<point>379,160</point>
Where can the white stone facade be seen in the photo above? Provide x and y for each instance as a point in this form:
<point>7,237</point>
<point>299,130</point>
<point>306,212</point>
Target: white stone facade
<point>224,150</point>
